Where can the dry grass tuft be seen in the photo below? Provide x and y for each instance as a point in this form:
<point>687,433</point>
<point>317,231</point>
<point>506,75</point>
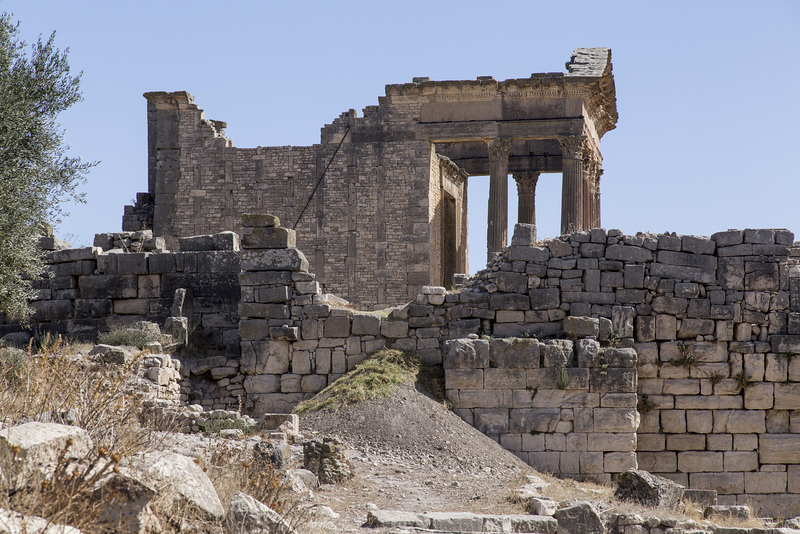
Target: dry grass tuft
<point>377,376</point>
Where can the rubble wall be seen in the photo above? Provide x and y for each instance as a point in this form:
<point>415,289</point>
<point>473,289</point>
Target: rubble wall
<point>714,323</point>
<point>92,289</point>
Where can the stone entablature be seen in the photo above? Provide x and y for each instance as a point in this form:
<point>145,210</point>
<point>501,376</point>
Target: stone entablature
<point>381,195</point>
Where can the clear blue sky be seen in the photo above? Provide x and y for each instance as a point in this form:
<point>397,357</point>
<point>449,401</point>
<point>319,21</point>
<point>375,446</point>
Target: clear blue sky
<point>706,91</point>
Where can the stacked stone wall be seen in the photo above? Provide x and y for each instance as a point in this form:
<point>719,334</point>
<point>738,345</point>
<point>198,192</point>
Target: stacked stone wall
<point>92,289</point>
<point>714,322</point>
<point>562,410</point>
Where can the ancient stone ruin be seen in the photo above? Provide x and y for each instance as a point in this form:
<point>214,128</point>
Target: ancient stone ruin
<point>586,355</point>
<point>380,205</point>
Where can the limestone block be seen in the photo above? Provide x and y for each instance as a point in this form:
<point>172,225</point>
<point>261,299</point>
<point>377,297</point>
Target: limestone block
<point>337,327</point>
<point>523,420</point>
<point>723,483</point>
<point>366,325</point>
<point>699,462</point>
<point>628,253</point>
<point>313,383</point>
<point>564,398</point>
<point>787,396</point>
<point>260,219</point>
<point>657,462</point>
<point>774,482</point>
<point>623,442</point>
<point>465,353</point>
<point>253,329</point>
<point>724,331</point>
<point>544,299</point>
<point>502,316</point>
<point>483,398</point>
<point>650,442</point>
<point>778,422</point>
<point>691,328</point>
<point>719,442</point>
<point>673,421</point>
<point>699,421</point>
<point>680,272</point>
<point>268,238</point>
<point>619,462</point>
<point>645,327</point>
<point>505,378</point>
<point>511,282</point>
<point>793,476</point>
<point>588,351</point>
<point>760,396</point>
<point>649,490</point>
<point>273,260</point>
<point>622,320</point>
<point>463,378</point>
<point>591,462</point>
<point>686,442</point>
<point>581,327</point>
<point>615,420</point>
<point>618,380</point>
<point>557,353</point>
<point>514,353</point>
<point>394,329</point>
<point>740,461</point>
<point>739,421</point>
<point>290,383</point>
<point>761,276</point>
<point>527,253</point>
<point>492,420</point>
<point>669,305</point>
<point>618,400</point>
<point>744,332</point>
<point>682,386</point>
<point>262,384</point>
<point>779,449</point>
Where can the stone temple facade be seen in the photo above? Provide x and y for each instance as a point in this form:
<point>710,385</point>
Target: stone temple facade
<point>380,204</point>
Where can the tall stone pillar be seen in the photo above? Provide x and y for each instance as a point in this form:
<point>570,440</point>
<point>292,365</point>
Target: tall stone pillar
<point>526,195</point>
<point>596,220</point>
<point>572,184</point>
<point>497,231</point>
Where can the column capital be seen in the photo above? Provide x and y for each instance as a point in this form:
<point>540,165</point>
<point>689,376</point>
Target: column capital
<point>498,148</point>
<point>526,181</point>
<point>573,146</point>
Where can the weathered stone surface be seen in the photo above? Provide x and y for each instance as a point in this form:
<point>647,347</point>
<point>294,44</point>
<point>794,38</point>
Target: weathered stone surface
<point>454,521</point>
<point>719,511</point>
<point>246,514</point>
<point>467,354</point>
<point>580,518</point>
<point>649,490</point>
<point>581,326</point>
<point>35,448</point>
<point>179,478</point>
<point>259,219</point>
<point>395,518</point>
<point>276,259</point>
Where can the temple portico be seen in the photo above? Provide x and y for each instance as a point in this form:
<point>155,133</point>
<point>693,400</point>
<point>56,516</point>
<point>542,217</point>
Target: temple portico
<point>379,205</point>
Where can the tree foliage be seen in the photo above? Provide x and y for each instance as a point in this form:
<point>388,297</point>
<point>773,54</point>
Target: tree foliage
<point>36,174</point>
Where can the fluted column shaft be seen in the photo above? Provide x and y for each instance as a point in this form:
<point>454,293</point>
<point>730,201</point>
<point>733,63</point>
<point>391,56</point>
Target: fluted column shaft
<point>526,196</point>
<point>573,183</point>
<point>497,231</point>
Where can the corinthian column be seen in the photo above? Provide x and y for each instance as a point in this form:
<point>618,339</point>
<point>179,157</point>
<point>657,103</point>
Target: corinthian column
<point>596,220</point>
<point>497,231</point>
<point>526,195</point>
<point>572,184</point>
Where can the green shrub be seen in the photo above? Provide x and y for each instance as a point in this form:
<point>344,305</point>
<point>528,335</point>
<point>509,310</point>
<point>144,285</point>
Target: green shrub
<point>137,335</point>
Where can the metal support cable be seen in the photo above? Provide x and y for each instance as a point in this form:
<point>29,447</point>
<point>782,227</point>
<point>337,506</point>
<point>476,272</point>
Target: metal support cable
<point>321,177</point>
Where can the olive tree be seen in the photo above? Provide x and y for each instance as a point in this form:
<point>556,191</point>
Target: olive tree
<point>36,174</point>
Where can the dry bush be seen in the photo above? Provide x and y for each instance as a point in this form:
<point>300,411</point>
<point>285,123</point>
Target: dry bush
<point>235,468</point>
<point>49,383</point>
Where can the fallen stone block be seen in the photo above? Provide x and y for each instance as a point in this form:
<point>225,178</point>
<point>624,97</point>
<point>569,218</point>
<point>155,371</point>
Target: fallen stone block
<point>532,523</point>
<point>15,523</point>
<point>34,448</point>
<point>454,521</point>
<point>249,515</point>
<point>726,512</point>
<point>393,518</point>
<point>580,518</point>
<point>649,490</point>
<point>178,478</point>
